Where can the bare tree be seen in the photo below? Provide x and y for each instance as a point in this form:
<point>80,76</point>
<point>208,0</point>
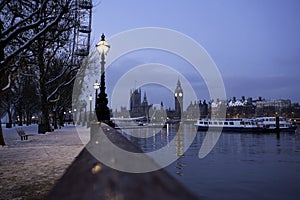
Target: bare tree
<point>23,25</point>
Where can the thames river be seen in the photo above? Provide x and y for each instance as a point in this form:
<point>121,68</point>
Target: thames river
<point>240,166</point>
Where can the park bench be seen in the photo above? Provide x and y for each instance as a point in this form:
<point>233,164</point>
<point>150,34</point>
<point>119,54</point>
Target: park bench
<point>22,134</point>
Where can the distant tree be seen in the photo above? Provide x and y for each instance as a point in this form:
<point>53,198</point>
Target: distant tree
<point>30,98</point>
<point>7,106</point>
<point>64,103</point>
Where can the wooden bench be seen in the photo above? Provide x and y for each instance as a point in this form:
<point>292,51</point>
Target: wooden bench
<point>22,134</point>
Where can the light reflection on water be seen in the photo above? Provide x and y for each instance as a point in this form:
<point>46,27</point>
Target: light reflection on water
<point>240,166</point>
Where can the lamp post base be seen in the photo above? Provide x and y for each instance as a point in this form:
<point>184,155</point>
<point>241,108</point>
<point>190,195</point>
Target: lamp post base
<point>103,114</point>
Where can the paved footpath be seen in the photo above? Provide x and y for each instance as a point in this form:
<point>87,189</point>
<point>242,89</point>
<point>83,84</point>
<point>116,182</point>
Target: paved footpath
<point>29,169</point>
<point>89,178</point>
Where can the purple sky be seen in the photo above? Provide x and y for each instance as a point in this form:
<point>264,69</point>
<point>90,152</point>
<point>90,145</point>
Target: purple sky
<point>255,44</point>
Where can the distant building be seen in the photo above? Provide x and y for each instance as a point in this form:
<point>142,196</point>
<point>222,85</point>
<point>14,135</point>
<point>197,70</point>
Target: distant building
<point>123,113</point>
<point>196,110</point>
<point>203,109</point>
<point>273,107</point>
<point>158,114</point>
<point>235,108</point>
<point>216,108</point>
<point>139,108</point>
<point>242,108</point>
<point>192,111</point>
<point>247,108</point>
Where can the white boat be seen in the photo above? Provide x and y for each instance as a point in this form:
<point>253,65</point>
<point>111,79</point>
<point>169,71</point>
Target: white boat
<point>248,125</point>
<point>269,124</point>
<point>260,124</point>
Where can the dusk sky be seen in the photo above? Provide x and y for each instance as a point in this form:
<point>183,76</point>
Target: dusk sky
<point>255,44</point>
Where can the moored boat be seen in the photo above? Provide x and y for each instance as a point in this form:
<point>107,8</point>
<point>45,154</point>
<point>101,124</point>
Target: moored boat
<point>269,124</point>
<point>260,124</point>
<point>238,125</point>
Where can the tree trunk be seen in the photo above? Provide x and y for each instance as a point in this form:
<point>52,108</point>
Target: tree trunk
<point>9,117</point>
<point>45,121</point>
<point>9,124</point>
<point>2,142</point>
<point>20,123</point>
<point>55,119</point>
<point>61,119</point>
<point>28,118</point>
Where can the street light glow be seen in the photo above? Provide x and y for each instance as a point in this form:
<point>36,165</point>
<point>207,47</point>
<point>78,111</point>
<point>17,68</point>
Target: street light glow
<point>96,85</point>
<point>102,46</point>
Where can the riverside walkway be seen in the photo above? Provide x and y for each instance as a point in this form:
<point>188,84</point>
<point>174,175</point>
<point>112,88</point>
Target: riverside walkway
<point>29,169</point>
<point>44,168</point>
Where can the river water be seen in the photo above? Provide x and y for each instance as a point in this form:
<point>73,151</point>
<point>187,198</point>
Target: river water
<point>240,166</point>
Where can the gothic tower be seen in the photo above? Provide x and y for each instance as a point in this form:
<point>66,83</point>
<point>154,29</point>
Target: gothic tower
<point>145,107</point>
<point>178,95</point>
<point>135,103</point>
<point>139,108</point>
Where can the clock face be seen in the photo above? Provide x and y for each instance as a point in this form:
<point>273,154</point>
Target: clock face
<point>175,94</point>
<point>180,94</point>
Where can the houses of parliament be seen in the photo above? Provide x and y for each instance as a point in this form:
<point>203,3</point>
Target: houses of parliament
<point>235,108</point>
<point>139,107</point>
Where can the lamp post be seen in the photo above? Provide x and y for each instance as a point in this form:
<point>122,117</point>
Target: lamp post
<point>96,87</point>
<point>90,115</point>
<point>102,111</point>
<point>85,116</point>
<point>74,117</point>
<point>64,118</point>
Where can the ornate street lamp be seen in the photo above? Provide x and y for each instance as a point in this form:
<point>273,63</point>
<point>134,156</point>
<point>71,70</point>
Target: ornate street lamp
<point>102,111</point>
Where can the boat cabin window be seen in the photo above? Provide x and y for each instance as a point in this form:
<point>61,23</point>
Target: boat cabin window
<point>209,122</point>
<point>215,123</point>
<point>242,123</point>
<point>220,123</point>
<point>230,123</point>
<point>205,122</point>
<point>225,123</point>
<point>201,122</point>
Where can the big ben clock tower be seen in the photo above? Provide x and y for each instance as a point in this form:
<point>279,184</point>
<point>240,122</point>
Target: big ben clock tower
<point>178,95</point>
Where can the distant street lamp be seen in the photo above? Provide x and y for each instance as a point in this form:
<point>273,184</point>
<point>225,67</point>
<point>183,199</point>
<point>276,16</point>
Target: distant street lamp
<point>90,115</point>
<point>74,117</point>
<point>102,111</point>
<point>64,117</point>
<point>96,87</point>
<point>85,116</point>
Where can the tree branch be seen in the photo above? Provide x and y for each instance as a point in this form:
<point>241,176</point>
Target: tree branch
<point>5,88</point>
<point>24,46</point>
